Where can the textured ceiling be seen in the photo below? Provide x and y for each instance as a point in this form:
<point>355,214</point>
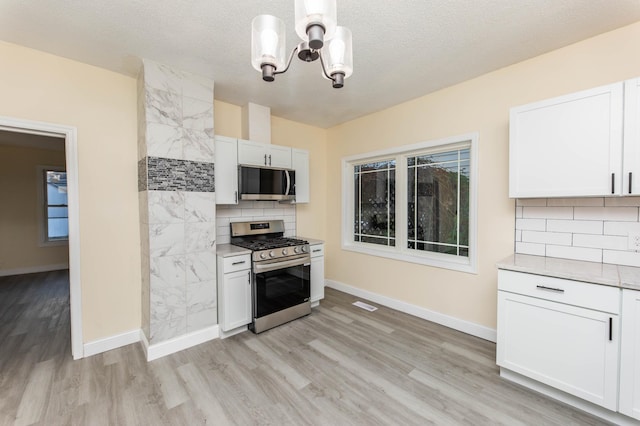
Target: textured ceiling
<point>402,49</point>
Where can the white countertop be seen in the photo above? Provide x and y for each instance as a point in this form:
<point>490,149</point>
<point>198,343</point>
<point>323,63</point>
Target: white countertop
<point>577,270</point>
<point>227,250</point>
<point>312,241</point>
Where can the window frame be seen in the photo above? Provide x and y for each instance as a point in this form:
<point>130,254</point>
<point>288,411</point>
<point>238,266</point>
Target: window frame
<point>42,216</point>
<point>401,252</point>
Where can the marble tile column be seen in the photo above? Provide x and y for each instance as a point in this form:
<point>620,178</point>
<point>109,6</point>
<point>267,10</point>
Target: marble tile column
<point>177,202</point>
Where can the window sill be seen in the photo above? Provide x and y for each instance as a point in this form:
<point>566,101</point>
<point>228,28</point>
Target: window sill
<point>436,260</point>
<point>54,243</point>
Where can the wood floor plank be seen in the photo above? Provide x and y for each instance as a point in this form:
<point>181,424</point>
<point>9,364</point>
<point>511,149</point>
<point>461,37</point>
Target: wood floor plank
<point>340,365</point>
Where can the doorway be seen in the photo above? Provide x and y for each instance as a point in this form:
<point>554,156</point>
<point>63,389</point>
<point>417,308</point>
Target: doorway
<point>21,127</point>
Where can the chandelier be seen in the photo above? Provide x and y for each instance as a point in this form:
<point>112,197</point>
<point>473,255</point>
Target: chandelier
<point>316,25</point>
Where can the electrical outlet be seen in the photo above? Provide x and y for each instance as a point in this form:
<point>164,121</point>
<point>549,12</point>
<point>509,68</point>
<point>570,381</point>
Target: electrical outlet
<point>634,241</point>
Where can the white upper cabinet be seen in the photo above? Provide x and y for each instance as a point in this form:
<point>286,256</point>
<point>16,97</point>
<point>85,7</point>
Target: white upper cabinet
<point>226,170</point>
<point>568,146</point>
<point>263,155</point>
<point>631,150</point>
<point>300,163</point>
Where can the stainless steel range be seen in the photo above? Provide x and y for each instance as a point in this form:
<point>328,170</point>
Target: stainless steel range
<point>281,273</point>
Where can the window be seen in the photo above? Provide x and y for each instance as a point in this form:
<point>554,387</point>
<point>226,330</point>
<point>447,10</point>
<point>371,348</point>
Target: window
<point>415,203</point>
<point>374,215</point>
<point>54,210</point>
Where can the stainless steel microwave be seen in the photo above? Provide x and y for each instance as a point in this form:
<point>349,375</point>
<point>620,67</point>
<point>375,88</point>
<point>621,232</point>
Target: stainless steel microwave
<point>262,183</point>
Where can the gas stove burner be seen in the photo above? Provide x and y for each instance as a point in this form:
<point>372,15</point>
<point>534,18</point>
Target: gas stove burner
<point>270,243</point>
<point>266,240</point>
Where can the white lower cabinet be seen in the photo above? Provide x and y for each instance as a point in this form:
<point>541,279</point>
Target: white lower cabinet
<point>630,355</point>
<point>561,333</point>
<point>234,291</point>
<point>317,273</point>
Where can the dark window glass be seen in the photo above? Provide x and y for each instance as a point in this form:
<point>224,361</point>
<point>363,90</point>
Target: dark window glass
<point>374,203</point>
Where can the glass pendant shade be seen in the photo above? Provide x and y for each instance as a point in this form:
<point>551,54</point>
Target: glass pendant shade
<point>267,42</point>
<point>338,53</point>
<point>315,12</point>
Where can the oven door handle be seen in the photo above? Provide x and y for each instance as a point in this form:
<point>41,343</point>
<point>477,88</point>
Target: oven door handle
<point>259,268</point>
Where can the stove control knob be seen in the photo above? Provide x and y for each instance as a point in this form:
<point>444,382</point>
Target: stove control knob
<point>263,255</point>
<point>296,249</point>
<point>284,252</point>
<point>272,254</point>
<point>304,249</point>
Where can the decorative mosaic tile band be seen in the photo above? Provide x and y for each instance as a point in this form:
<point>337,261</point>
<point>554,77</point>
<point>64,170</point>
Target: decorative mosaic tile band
<point>168,174</point>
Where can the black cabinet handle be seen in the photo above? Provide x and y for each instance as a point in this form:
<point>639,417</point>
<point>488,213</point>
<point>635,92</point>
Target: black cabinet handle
<point>238,263</point>
<point>613,183</point>
<point>557,290</point>
<point>269,159</point>
<point>630,181</point>
<point>265,159</point>
<point>610,329</point>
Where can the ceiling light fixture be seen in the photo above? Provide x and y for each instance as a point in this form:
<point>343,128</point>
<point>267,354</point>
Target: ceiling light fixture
<point>316,25</point>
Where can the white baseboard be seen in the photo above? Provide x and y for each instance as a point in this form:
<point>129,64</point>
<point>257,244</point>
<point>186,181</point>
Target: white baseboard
<point>177,344</point>
<point>111,342</point>
<point>33,269</point>
<point>596,410</point>
<point>468,327</point>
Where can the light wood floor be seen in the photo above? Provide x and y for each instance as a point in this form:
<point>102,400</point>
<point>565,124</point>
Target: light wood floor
<point>339,366</point>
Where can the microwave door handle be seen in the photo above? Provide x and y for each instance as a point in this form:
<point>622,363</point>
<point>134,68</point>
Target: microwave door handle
<point>286,191</point>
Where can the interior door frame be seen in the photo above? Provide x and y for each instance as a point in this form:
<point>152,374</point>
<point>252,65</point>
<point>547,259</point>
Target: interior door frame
<point>69,134</point>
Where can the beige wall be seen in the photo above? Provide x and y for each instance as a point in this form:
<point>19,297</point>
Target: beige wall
<point>481,105</point>
<point>102,106</point>
<point>19,231</point>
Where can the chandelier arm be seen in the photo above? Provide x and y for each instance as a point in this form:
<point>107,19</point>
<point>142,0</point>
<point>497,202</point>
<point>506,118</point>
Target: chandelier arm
<point>293,52</point>
<point>324,71</point>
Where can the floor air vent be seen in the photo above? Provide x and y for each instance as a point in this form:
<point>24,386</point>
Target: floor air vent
<point>364,306</point>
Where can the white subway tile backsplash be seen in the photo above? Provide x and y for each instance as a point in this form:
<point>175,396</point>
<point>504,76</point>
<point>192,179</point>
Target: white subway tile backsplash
<point>224,211</point>
<point>628,258</point>
<point>590,229</point>
<point>547,212</point>
<point>575,226</point>
<point>575,202</point>
<point>621,228</point>
<point>518,212</point>
<point>628,214</point>
<point>254,210</point>
<point>530,248</point>
<point>531,202</point>
<point>557,238</point>
<point>576,253</point>
<point>531,224</point>
<point>600,241</point>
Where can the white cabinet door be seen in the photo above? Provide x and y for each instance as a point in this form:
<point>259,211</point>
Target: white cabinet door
<point>226,170</point>
<point>236,300</point>
<point>263,154</point>
<point>279,156</point>
<point>300,163</point>
<point>570,348</point>
<point>631,149</point>
<point>252,153</point>
<point>568,146</point>
<point>630,355</point>
<point>317,272</point>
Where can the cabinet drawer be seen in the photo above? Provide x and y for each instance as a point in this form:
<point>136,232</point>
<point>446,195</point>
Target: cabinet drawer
<point>317,250</point>
<point>592,296</point>
<point>237,263</point>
